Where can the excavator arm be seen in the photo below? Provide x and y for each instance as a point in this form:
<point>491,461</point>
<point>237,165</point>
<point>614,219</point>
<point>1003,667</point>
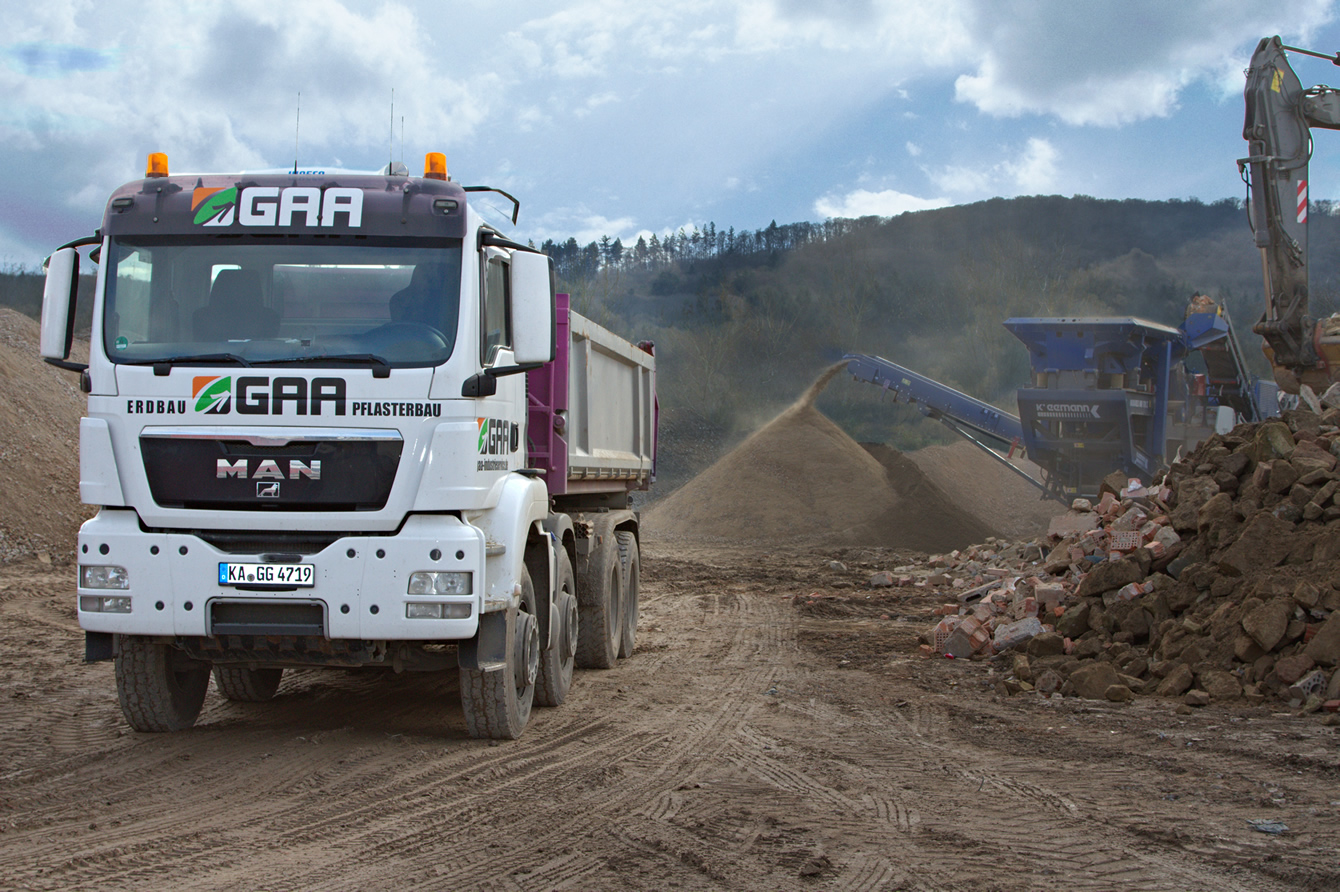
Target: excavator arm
<point>1277,127</point>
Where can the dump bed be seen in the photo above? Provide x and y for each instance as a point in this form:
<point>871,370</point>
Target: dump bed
<point>592,411</point>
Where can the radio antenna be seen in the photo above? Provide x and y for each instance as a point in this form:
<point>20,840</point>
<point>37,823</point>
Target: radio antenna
<point>390,148</point>
<point>297,119</point>
<point>402,139</point>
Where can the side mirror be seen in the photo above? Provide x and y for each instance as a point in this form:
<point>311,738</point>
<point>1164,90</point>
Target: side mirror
<point>532,308</point>
<point>58,304</point>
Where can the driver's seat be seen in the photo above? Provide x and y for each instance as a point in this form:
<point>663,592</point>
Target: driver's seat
<point>236,309</point>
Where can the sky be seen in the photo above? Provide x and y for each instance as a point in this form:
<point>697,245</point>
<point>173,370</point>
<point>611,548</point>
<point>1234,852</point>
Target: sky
<point>632,117</point>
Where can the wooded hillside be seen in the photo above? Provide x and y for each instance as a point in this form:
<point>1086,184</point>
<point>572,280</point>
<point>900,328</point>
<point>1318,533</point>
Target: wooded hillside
<point>745,320</point>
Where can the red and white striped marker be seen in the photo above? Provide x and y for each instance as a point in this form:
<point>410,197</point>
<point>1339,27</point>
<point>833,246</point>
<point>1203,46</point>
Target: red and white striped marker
<point>1302,201</point>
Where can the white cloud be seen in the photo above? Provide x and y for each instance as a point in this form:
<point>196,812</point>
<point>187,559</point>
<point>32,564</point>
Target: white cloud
<point>1109,64</point>
<point>1031,172</point>
<point>913,149</point>
<point>864,203</point>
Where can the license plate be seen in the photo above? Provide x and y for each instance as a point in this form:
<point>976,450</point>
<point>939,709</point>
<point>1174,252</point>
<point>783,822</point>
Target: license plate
<point>267,574</point>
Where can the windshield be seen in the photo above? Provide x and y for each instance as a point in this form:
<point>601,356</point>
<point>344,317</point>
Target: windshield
<point>264,301</point>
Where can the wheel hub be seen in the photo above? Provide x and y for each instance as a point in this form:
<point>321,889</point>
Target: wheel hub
<point>567,612</point>
<point>526,649</point>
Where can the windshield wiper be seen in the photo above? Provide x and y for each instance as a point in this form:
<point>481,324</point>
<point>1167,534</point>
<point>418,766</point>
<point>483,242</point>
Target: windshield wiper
<point>381,368</point>
<point>163,366</point>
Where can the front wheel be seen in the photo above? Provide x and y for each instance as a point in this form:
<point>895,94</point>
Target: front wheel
<point>160,688</point>
<point>245,685</point>
<point>556,662</point>
<point>497,702</point>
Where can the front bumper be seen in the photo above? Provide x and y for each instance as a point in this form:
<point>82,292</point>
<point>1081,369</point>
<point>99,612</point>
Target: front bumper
<point>360,582</point>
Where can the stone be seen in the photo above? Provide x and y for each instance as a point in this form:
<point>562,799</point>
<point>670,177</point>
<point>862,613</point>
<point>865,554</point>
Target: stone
<point>882,579</point>
<point>1219,684</point>
<point>1282,476</point>
<point>1265,542</point>
<point>1290,669</point>
<point>1268,623</point>
<point>1047,644</point>
<point>1075,621</point>
<point>1177,682</point>
<point>1197,698</point>
<point>1235,463</point>
<point>1271,440</point>
<point>1307,594</point>
<point>1308,457</point>
<point>1049,682</point>
<point>1023,669</point>
<point>1324,648</point>
<point>1246,650</point>
<point>1092,680</point>
<point>1217,508</point>
<point>1110,575</point>
<point>1088,648</point>
<point>1118,693</point>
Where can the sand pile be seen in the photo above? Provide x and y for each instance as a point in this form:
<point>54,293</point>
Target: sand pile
<point>993,494</point>
<point>801,478</point>
<point>40,407</point>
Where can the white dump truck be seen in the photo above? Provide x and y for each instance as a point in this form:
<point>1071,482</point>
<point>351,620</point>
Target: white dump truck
<point>335,419</point>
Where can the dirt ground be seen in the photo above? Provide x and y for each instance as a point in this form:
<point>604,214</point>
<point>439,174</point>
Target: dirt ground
<point>774,730</point>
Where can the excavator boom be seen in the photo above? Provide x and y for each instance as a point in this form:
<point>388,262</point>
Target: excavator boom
<point>1279,116</point>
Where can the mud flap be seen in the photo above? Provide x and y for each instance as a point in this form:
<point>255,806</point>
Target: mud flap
<point>487,651</point>
<point>98,647</point>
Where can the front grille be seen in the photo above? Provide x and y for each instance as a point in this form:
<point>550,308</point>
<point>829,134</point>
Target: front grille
<point>234,475</point>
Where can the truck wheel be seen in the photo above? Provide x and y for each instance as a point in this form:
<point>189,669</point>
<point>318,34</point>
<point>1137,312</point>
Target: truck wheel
<point>599,597</point>
<point>556,662</point>
<point>247,685</point>
<point>497,703</point>
<point>632,578</point>
<point>160,688</point>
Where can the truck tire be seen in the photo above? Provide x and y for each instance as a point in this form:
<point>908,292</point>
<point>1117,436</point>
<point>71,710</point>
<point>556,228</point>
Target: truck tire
<point>556,662</point>
<point>497,703</point>
<point>632,578</point>
<point>160,688</point>
<point>247,685</point>
<point>599,599</point>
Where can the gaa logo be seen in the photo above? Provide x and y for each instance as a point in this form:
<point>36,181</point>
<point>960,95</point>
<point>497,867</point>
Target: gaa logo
<point>214,207</point>
<point>213,394</point>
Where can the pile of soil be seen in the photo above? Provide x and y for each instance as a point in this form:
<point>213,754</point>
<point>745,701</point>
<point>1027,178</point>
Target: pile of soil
<point>987,490</point>
<point>801,478</point>
<point>1220,583</point>
<point>40,407</point>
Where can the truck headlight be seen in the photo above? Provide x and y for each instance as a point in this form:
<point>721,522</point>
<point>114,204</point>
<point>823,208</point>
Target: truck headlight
<point>100,576</point>
<point>428,582</point>
<point>104,603</point>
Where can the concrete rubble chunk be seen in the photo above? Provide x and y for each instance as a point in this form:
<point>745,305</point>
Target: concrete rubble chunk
<point>1092,680</point>
<point>1290,669</point>
<point>1268,623</point>
<point>1219,684</point>
<point>1177,682</point>
<point>1324,648</point>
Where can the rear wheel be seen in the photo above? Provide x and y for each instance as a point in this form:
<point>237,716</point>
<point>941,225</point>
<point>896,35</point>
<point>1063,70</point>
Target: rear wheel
<point>247,685</point>
<point>632,577</point>
<point>160,688</point>
<point>599,599</point>
<point>497,703</point>
<point>556,662</point>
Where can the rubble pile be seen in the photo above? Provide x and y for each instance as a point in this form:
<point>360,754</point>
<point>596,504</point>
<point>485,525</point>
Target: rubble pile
<point>1220,582</point>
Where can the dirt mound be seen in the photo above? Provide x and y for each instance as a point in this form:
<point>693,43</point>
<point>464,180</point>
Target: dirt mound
<point>801,478</point>
<point>990,492</point>
<point>40,407</point>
